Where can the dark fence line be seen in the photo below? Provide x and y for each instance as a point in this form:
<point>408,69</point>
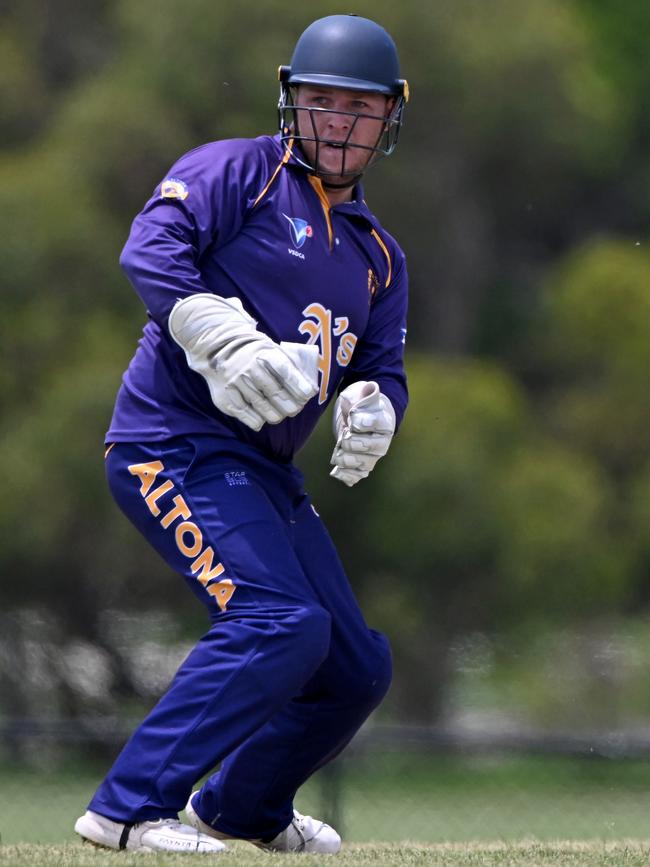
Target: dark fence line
<point>615,743</point>
<point>477,738</point>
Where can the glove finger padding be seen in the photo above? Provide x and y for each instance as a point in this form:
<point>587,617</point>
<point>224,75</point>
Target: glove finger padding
<point>362,408</point>
<point>301,378</point>
<point>272,384</point>
<point>255,396</point>
<point>262,388</point>
<point>349,477</point>
<point>368,444</point>
<point>364,423</point>
<point>353,460</point>
<point>234,404</point>
<point>282,378</point>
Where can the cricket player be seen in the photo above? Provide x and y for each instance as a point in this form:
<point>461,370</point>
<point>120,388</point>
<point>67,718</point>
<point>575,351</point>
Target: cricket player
<point>271,290</point>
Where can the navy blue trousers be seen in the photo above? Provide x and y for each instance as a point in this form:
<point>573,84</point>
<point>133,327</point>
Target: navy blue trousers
<point>288,670</point>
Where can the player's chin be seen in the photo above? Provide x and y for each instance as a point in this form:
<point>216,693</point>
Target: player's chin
<point>338,165</point>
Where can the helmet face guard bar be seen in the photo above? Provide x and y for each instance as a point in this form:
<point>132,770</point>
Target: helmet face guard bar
<point>298,123</point>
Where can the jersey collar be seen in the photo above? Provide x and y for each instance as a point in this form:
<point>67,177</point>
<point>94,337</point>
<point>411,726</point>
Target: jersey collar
<point>357,206</point>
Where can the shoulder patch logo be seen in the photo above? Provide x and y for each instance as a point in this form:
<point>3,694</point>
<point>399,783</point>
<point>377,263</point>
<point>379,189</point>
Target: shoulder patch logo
<point>373,285</point>
<point>300,230</point>
<point>173,188</point>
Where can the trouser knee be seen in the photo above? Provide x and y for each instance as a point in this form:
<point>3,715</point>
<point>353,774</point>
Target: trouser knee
<point>311,629</point>
<point>369,681</point>
<point>381,670</point>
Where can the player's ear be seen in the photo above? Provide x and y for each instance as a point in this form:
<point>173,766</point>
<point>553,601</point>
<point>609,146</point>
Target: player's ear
<point>391,101</point>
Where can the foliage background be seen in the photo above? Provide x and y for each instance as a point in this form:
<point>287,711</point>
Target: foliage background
<point>505,544</point>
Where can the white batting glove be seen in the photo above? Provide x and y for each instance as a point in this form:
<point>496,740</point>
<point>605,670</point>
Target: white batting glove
<point>364,424</point>
<point>251,378</point>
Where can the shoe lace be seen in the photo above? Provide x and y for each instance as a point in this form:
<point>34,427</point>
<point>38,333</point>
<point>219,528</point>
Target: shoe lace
<point>298,823</point>
<point>161,823</point>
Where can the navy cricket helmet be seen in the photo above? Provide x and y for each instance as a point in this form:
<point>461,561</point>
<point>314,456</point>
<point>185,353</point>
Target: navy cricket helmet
<point>348,52</point>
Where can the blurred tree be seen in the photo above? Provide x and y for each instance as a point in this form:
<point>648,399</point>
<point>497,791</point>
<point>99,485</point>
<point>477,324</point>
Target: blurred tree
<point>597,337</point>
<point>44,49</point>
<point>597,351</point>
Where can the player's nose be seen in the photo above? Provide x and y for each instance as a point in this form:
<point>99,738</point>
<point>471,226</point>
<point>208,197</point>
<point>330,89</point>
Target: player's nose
<point>339,122</point>
<point>339,129</point>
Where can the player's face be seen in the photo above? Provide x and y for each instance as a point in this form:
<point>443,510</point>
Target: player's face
<point>345,123</point>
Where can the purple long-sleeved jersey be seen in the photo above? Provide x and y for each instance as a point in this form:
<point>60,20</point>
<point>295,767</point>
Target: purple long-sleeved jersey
<point>242,218</point>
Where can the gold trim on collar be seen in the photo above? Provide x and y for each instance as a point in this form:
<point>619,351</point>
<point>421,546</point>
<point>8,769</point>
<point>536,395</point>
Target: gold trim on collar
<point>325,202</point>
<point>376,236</point>
<point>285,159</point>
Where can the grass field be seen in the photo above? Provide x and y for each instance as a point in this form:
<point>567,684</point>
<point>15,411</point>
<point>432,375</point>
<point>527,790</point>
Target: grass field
<point>465,801</point>
<point>523,854</point>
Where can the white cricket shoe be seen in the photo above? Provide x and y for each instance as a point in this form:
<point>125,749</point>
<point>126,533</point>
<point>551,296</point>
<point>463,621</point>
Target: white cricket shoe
<point>159,835</point>
<point>303,834</point>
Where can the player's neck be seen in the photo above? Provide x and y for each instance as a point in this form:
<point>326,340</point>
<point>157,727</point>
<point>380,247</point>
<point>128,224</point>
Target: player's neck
<point>338,195</point>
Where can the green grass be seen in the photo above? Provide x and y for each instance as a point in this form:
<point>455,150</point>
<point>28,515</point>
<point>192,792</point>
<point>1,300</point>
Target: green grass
<point>472,798</point>
<point>396,797</point>
<point>522,854</point>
